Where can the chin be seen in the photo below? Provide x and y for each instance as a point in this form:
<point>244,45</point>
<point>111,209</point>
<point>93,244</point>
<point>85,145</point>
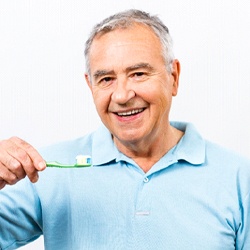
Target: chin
<point>128,136</point>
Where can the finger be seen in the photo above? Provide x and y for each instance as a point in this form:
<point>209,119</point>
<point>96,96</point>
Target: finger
<point>24,166</point>
<point>17,160</point>
<point>33,154</point>
<point>20,150</point>
<point>2,184</point>
<point>13,165</point>
<point>8,161</point>
<point>7,177</point>
<point>25,163</point>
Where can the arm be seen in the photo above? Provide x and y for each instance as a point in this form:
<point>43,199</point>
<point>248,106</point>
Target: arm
<point>20,215</point>
<point>20,211</point>
<point>18,159</point>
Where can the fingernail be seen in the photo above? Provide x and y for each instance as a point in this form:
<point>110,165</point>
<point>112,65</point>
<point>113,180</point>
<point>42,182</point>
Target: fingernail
<point>41,165</point>
<point>34,179</point>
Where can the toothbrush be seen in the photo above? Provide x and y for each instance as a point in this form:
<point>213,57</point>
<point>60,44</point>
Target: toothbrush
<point>81,161</point>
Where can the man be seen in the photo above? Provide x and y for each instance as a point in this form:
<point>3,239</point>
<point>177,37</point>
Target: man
<point>152,184</point>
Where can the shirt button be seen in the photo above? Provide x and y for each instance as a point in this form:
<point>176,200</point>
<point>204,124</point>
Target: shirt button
<point>146,180</point>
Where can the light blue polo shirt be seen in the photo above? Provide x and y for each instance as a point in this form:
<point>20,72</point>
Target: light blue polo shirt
<point>195,197</point>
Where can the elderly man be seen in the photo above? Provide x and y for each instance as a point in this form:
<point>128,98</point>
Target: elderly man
<point>153,184</point>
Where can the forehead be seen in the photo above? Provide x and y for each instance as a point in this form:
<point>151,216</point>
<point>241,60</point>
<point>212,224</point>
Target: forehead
<point>133,31</point>
<point>136,43</point>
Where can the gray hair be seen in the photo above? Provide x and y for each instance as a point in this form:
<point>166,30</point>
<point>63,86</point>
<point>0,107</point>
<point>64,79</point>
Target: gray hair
<point>124,20</point>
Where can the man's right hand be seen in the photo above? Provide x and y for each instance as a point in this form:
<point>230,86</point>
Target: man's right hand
<point>18,159</point>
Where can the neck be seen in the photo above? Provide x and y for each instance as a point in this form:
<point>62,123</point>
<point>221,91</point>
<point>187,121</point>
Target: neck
<point>146,153</point>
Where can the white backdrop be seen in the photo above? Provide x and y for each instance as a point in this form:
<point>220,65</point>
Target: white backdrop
<point>44,98</point>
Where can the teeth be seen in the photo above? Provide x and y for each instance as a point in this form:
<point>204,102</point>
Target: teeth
<point>132,112</point>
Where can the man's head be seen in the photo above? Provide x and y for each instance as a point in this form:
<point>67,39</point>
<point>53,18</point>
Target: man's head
<point>131,83</point>
<point>127,18</point>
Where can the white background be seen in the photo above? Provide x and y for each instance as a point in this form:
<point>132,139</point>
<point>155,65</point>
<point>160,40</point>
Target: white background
<point>43,96</point>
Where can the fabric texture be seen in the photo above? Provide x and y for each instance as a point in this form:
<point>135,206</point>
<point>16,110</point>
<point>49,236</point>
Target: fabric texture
<point>195,197</point>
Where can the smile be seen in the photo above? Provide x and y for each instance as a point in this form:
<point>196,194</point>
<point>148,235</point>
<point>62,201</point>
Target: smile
<point>131,112</point>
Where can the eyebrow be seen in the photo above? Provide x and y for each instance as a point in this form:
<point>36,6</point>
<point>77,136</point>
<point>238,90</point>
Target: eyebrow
<point>139,66</point>
<point>100,73</point>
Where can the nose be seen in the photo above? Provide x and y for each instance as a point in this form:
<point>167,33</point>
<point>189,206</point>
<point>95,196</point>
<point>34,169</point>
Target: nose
<point>122,92</point>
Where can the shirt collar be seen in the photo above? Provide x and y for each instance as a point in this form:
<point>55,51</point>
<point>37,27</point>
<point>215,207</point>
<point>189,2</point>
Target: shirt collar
<point>190,148</point>
<point>103,147</point>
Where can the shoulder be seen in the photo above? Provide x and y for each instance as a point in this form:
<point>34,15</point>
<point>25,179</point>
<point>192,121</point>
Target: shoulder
<point>90,144</point>
<point>228,165</point>
<point>224,155</point>
<point>64,150</point>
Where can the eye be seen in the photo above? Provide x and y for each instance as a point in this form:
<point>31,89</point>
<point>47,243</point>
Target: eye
<point>106,80</point>
<point>139,76</point>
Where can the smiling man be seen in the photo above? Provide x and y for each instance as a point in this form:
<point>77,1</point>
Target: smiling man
<point>132,89</point>
<point>153,184</point>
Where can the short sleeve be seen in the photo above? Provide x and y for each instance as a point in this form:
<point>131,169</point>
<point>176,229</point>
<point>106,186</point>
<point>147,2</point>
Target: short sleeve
<point>20,215</point>
<point>243,233</point>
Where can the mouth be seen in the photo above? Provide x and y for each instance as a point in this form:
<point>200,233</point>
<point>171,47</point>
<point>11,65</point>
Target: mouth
<point>130,113</point>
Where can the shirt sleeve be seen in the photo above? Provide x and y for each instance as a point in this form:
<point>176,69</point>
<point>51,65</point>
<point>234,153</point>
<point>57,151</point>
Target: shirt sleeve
<point>20,215</point>
<point>243,234</point>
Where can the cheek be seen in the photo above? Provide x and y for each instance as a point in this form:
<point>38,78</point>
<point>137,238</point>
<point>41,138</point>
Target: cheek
<point>101,100</point>
<point>160,97</point>
<point>155,93</point>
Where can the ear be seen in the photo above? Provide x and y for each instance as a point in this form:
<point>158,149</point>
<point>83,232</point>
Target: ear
<point>87,78</point>
<point>176,70</point>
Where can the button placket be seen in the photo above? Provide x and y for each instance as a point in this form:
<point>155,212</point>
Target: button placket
<point>143,206</point>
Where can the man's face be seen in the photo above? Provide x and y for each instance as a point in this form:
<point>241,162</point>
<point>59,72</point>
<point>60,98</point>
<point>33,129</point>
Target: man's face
<point>131,87</point>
